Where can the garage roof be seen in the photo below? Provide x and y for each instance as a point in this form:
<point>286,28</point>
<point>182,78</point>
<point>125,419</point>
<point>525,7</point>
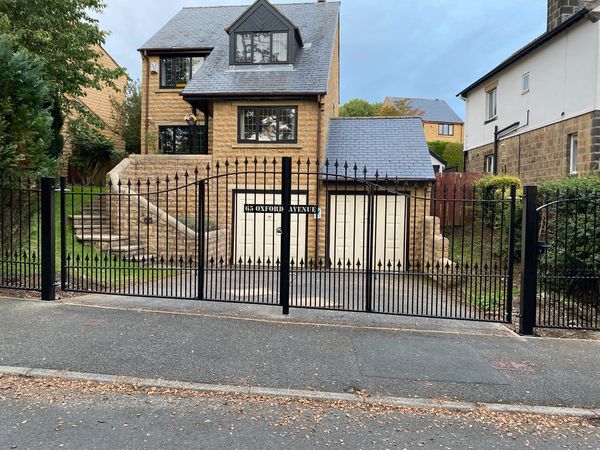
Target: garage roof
<point>392,146</point>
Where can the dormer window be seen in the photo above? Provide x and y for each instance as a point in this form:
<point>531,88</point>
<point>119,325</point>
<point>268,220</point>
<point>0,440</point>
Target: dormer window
<point>263,35</point>
<point>261,48</point>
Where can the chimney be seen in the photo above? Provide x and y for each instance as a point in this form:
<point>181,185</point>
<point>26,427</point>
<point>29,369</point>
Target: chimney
<point>561,10</point>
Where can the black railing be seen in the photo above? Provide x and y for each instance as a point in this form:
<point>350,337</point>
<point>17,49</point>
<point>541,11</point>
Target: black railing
<point>20,234</point>
<point>306,234</point>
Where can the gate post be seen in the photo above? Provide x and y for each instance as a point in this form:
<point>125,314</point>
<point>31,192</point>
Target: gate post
<point>201,239</point>
<point>529,255</point>
<point>63,233</point>
<point>48,236</point>
<point>511,253</point>
<point>286,230</point>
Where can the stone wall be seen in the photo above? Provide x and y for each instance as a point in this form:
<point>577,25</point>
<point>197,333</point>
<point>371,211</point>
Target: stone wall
<point>543,154</point>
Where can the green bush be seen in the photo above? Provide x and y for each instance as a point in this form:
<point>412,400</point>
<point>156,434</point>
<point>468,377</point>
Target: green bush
<point>452,152</point>
<point>91,150</point>
<point>570,226</point>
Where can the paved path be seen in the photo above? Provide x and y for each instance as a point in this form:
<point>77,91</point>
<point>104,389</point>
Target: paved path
<point>387,356</point>
<point>40,415</point>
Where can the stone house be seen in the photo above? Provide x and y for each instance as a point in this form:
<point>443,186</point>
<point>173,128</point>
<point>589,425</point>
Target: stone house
<point>537,114</point>
<point>230,85</point>
<point>440,121</point>
<point>99,101</point>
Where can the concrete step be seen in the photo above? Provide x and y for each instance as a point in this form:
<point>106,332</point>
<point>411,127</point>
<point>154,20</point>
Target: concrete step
<point>88,218</point>
<point>94,238</point>
<point>101,228</point>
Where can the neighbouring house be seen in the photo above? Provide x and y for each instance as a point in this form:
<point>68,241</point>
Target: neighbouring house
<point>99,101</point>
<point>537,114</point>
<point>440,121</point>
<point>236,88</point>
<point>439,164</point>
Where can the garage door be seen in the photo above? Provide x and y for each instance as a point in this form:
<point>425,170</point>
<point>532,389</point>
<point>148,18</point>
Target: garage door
<point>348,232</point>
<point>256,234</point>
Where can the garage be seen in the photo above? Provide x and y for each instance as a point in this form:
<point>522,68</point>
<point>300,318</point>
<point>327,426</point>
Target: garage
<point>257,235</point>
<point>348,228</point>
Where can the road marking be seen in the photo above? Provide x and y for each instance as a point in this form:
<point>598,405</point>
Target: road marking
<point>398,402</point>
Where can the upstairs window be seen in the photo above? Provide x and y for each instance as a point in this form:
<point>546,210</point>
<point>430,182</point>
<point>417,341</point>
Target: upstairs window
<point>492,104</point>
<point>264,125</point>
<point>176,71</point>
<point>445,129</point>
<point>525,84</point>
<point>261,48</point>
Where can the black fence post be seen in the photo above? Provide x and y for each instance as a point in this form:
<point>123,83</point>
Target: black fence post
<point>201,238</point>
<point>286,231</point>
<point>63,233</point>
<point>48,235</point>
<point>370,246</point>
<point>511,253</point>
<point>529,255</point>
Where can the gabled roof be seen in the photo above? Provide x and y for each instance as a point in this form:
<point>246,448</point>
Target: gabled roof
<point>438,157</point>
<point>265,3</point>
<point>533,45</point>
<point>204,28</point>
<point>434,110</point>
<point>392,146</point>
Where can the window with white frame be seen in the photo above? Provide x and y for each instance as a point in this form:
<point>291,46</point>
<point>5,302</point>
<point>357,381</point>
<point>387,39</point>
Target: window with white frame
<point>445,129</point>
<point>573,145</point>
<point>488,164</point>
<point>492,104</point>
<point>525,83</point>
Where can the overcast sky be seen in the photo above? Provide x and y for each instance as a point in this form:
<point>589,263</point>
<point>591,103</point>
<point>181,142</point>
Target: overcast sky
<point>402,48</point>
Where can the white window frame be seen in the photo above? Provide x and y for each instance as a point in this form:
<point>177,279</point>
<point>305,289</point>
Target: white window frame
<point>445,129</point>
<point>491,104</point>
<point>573,140</point>
<point>525,83</point>
<point>489,161</point>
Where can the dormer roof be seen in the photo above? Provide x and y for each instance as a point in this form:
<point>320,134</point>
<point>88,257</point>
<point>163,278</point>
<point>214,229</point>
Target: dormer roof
<point>263,16</point>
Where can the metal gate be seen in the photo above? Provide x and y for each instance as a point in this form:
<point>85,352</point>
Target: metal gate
<point>297,234</point>
<point>562,270</point>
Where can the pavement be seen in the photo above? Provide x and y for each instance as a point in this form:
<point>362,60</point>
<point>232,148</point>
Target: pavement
<point>330,352</point>
<point>36,414</point>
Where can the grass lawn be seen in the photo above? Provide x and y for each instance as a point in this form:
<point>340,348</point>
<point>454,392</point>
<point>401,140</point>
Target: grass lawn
<point>100,268</point>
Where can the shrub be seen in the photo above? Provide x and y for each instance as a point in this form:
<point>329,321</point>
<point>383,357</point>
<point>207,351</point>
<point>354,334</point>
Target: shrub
<point>570,225</point>
<point>91,150</point>
<point>452,152</point>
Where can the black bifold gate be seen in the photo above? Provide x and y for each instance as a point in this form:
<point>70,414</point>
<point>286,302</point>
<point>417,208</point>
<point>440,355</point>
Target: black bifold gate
<point>296,234</point>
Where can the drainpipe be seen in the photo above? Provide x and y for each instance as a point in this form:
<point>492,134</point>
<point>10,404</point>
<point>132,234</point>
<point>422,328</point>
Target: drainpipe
<point>147,101</point>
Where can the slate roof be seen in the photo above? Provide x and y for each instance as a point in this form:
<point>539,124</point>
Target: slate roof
<point>204,28</point>
<point>393,146</point>
<point>435,110</point>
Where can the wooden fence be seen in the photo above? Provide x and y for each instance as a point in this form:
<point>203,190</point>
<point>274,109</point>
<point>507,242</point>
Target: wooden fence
<point>452,196</point>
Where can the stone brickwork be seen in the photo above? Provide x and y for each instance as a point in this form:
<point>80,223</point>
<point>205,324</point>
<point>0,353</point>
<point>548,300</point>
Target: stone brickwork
<point>543,154</point>
<point>160,106</point>
<point>559,10</point>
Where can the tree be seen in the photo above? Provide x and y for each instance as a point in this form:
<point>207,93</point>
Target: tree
<point>64,36</point>
<point>362,108</point>
<point>25,122</point>
<point>359,108</point>
<point>399,107</point>
<point>128,116</point>
<point>90,150</point>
